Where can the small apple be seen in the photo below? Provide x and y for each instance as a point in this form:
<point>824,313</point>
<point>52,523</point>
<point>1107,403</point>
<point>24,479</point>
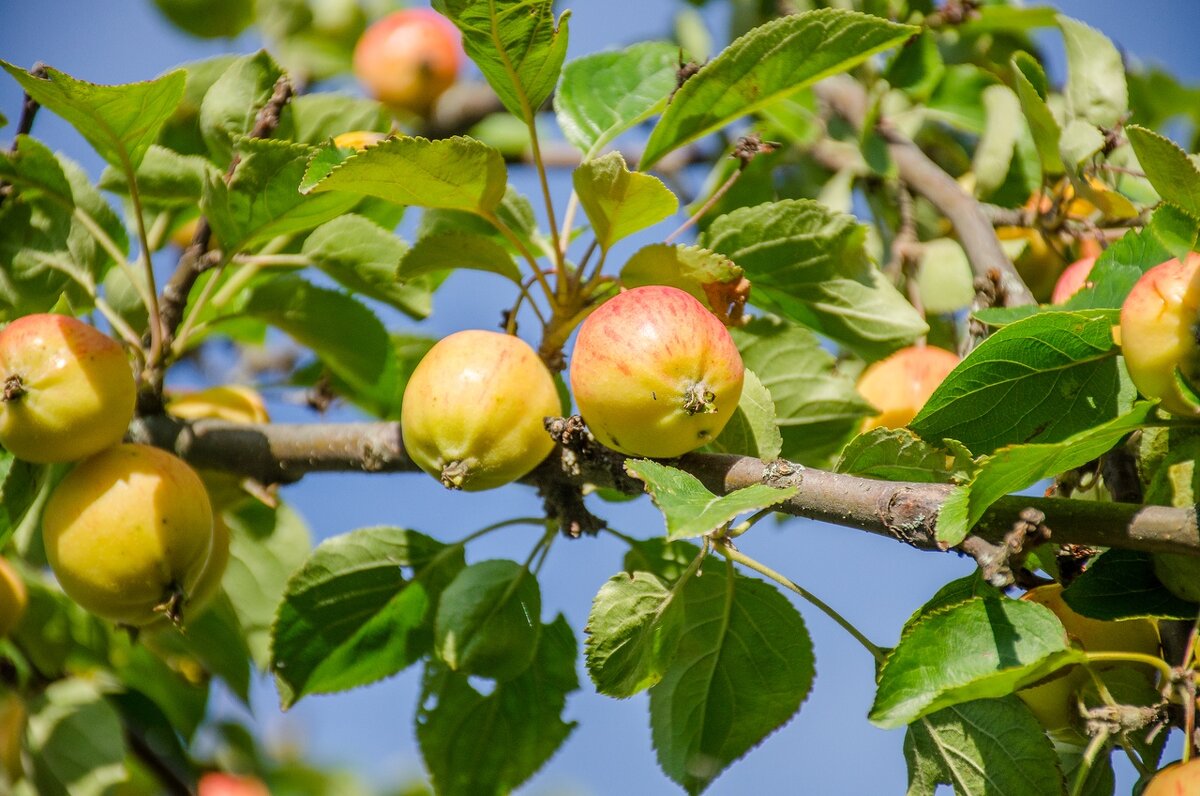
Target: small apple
<point>13,598</point>
<point>1180,574</point>
<point>655,373</point>
<point>473,410</point>
<point>1038,261</point>
<point>13,716</point>
<point>1072,280</point>
<point>128,533</point>
<point>358,139</point>
<point>1053,700</point>
<point>1177,779</point>
<point>216,783</point>
<point>408,59</point>
<point>1158,333</point>
<point>66,389</point>
<point>901,384</point>
<point>231,403</point>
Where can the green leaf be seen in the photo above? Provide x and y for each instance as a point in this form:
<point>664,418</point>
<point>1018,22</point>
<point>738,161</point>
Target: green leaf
<point>984,746</point>
<point>1172,173</point>
<point>917,67</point>
<point>689,508</point>
<point>752,430</point>
<point>20,483</point>
<point>75,740</point>
<point>489,619</point>
<point>994,154</point>
<point>1095,90</point>
<point>604,94</point>
<point>816,405</point>
<point>945,281</point>
<point>215,638</point>
<point>347,336</point>
<point>896,454</point>
<point>1119,268</point>
<point>349,617</point>
<point>632,632</point>
<point>1016,467</point>
<point>807,263</point>
<point>1101,781</point>
<point>183,701</point>
<point>261,201</point>
<point>709,277</point>
<point>120,122</point>
<point>981,648</point>
<point>743,666</point>
<point>767,64</point>
<point>956,591</point>
<point>165,178</point>
<point>476,745</point>
<point>363,257</point>
<point>230,106</point>
<point>1121,584</point>
<point>620,202</point>
<point>447,251</point>
<point>315,118</point>
<point>266,546</point>
<point>451,173</point>
<point>208,18</point>
<point>1080,141</point>
<point>1042,125</point>
<point>516,44</point>
<point>1040,379</point>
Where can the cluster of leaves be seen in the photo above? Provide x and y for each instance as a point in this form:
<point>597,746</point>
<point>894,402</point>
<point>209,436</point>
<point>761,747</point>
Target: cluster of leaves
<point>304,243</point>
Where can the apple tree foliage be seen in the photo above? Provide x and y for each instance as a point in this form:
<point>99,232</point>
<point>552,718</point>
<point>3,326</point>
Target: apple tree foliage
<point>813,237</point>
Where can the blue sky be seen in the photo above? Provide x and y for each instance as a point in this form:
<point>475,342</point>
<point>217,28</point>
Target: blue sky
<point>875,582</point>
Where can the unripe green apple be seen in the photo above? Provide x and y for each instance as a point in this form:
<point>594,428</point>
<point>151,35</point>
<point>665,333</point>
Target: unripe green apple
<point>408,59</point>
<point>1177,779</point>
<point>128,533</point>
<point>13,598</point>
<point>66,389</point>
<point>1180,574</point>
<point>655,373</point>
<point>1159,322</point>
<point>473,410</point>
<point>899,385</point>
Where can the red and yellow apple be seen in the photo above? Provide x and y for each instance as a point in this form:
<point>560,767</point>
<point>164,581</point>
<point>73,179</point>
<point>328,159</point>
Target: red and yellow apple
<point>1159,322</point>
<point>128,534</point>
<point>899,385</point>
<point>473,410</point>
<point>1072,280</point>
<point>655,373</point>
<point>408,59</point>
<point>217,783</point>
<point>66,389</point>
<point>1177,779</point>
<point>13,598</point>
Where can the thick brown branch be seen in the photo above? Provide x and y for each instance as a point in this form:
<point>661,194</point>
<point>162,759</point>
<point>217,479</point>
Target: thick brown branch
<point>904,511</point>
<point>848,99</point>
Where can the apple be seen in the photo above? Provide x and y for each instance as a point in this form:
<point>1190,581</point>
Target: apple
<point>408,59</point>
<point>13,716</point>
<point>655,373</point>
<point>1158,333</point>
<point>66,389</point>
<point>358,139</point>
<point>232,403</point>
<point>1038,260</point>
<point>1053,700</point>
<point>13,598</point>
<point>1180,574</point>
<point>899,385</point>
<point>216,783</point>
<point>473,410</point>
<point>1177,779</point>
<point>128,533</point>
<point>1072,280</point>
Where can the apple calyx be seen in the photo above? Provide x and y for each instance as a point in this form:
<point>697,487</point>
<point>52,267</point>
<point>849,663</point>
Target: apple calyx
<point>172,605</point>
<point>14,388</point>
<point>454,474</point>
<point>699,399</point>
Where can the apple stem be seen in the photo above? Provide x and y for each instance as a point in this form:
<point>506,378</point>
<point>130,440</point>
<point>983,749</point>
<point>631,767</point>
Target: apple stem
<point>14,388</point>
<point>699,399</point>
